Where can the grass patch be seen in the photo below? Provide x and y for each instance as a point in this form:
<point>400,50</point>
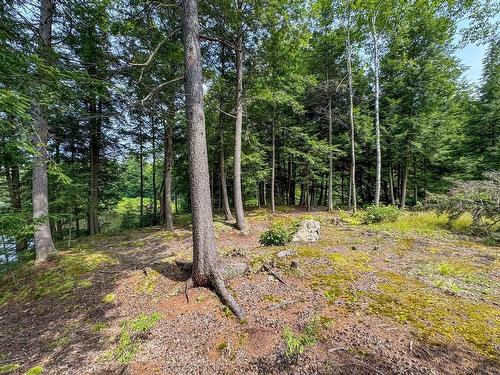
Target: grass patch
<point>59,278</point>
<point>131,334</point>
<point>295,343</point>
<point>424,223</point>
<point>437,316</point>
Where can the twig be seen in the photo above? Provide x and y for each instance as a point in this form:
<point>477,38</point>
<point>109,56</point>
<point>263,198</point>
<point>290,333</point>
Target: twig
<point>268,269</point>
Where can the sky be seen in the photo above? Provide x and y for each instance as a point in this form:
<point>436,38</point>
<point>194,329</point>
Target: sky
<point>471,56</point>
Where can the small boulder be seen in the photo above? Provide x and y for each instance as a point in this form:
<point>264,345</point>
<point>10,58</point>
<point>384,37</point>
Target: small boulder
<point>286,253</point>
<point>308,231</point>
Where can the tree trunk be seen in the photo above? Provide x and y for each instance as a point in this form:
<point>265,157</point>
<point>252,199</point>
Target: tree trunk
<point>330,153</point>
<point>273,167</point>
<point>168,160</point>
<point>237,193</point>
<point>155,192</point>
<point>352,192</point>
<point>415,179</point>
<point>206,268</point>
<point>222,168</point>
<point>391,185</point>
<point>44,245</point>
<point>376,71</point>
<point>14,185</point>
<point>404,185</point>
<point>141,171</point>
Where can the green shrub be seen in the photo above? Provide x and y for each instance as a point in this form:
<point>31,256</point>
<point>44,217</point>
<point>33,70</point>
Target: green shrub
<point>278,235</point>
<point>379,214</point>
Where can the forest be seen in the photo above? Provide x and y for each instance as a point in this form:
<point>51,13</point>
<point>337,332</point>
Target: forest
<point>253,186</point>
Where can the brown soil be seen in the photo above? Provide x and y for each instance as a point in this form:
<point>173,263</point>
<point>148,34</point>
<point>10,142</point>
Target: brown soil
<point>200,337</point>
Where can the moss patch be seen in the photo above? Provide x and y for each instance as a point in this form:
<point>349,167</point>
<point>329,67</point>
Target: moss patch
<point>148,283</point>
<point>438,317</point>
<point>11,367</point>
<point>59,278</point>
<point>109,298</point>
<point>35,370</point>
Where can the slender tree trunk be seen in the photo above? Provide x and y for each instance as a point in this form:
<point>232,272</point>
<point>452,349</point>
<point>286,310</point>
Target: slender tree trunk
<point>376,71</point>
<point>222,168</point>
<point>415,179</point>
<point>14,184</point>
<point>206,268</point>
<point>168,156</point>
<point>44,245</point>
<point>141,171</point>
<point>237,193</point>
<point>330,153</point>
<point>155,191</point>
<point>264,191</point>
<point>273,166</point>
<point>352,192</point>
<point>391,185</point>
<point>404,185</point>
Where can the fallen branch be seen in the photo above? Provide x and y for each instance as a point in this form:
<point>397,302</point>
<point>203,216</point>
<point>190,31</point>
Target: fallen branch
<point>270,271</point>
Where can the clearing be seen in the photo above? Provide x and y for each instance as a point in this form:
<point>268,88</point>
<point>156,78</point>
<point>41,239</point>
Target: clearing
<point>407,297</point>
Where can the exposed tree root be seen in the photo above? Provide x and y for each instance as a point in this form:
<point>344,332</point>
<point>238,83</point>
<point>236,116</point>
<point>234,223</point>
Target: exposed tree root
<point>224,294</point>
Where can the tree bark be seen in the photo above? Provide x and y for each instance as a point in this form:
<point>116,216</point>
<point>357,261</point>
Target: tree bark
<point>352,192</point>
<point>141,171</point>
<point>155,192</point>
<point>237,193</point>
<point>168,160</point>
<point>222,168</point>
<point>404,185</point>
<point>330,153</point>
<point>376,71</point>
<point>44,245</point>
<point>273,166</point>
<point>206,269</point>
<point>391,185</point>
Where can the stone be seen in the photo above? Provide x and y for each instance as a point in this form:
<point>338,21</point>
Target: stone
<point>286,253</point>
<point>294,264</point>
<point>308,231</point>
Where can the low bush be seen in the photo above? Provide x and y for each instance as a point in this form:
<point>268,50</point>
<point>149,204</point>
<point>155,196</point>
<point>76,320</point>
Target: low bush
<point>278,235</point>
<point>379,214</point>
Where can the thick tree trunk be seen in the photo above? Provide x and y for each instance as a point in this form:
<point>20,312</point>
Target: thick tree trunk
<point>44,245</point>
<point>352,184</point>
<point>376,71</point>
<point>237,193</point>
<point>168,160</point>
<point>206,269</point>
<point>404,184</point>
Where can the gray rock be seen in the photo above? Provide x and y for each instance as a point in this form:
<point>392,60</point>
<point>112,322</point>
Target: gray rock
<point>286,253</point>
<point>308,231</point>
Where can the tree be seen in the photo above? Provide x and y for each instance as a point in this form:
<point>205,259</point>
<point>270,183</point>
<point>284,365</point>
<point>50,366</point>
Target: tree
<point>44,245</point>
<point>206,266</point>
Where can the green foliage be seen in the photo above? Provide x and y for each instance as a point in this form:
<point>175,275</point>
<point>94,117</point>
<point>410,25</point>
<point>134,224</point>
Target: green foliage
<point>278,235</point>
<point>295,344</point>
<point>378,214</point>
<point>37,370</point>
<point>131,334</point>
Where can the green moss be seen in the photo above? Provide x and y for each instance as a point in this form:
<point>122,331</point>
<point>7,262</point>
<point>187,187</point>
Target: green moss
<point>66,273</point>
<point>148,283</point>
<point>109,298</point>
<point>437,316</point>
<point>271,298</point>
<point>99,326</point>
<point>11,367</point>
<point>130,336</point>
<point>35,370</point>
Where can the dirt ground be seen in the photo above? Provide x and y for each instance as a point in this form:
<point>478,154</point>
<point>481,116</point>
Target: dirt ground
<point>362,300</point>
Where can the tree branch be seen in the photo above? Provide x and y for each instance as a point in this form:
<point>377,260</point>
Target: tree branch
<point>159,87</point>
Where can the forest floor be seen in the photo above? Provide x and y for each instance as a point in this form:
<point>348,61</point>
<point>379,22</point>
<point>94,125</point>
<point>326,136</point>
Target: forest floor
<point>398,298</point>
